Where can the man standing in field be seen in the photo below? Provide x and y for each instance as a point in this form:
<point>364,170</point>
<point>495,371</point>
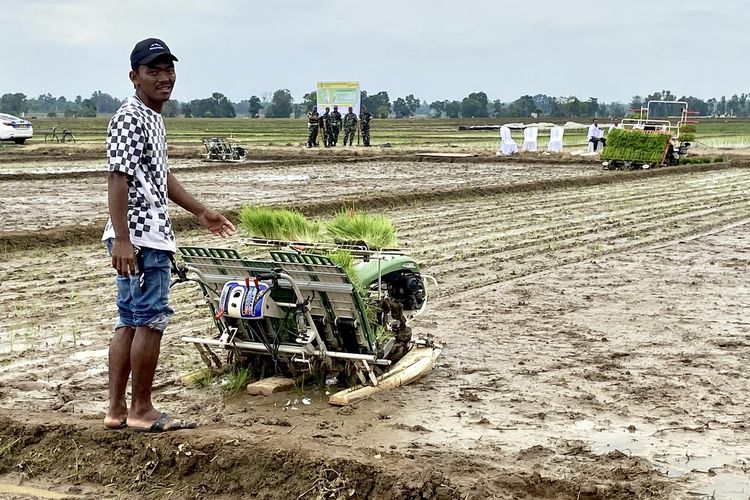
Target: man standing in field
<point>313,121</point>
<point>364,124</point>
<point>335,125</point>
<point>325,123</point>
<point>350,125</point>
<point>140,238</point>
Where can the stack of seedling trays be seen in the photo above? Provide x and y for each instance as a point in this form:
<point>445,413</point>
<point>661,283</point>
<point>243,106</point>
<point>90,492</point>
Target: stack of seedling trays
<point>636,146</point>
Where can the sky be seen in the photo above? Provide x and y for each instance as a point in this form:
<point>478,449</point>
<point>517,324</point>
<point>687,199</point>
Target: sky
<point>434,49</point>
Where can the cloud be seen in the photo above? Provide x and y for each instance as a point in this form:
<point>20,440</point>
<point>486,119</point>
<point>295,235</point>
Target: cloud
<point>436,49</point>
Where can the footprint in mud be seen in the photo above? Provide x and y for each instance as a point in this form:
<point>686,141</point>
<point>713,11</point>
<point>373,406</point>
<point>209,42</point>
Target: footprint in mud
<point>280,422</point>
<point>482,421</point>
<point>412,428</point>
<point>468,396</point>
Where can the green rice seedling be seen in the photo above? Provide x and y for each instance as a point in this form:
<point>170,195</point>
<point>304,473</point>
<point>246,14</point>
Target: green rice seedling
<point>633,145</point>
<point>236,381</point>
<point>687,133</point>
<point>686,137</point>
<point>299,388</point>
<point>320,380</point>
<point>76,332</point>
<point>206,379</point>
<point>695,161</point>
<point>278,224</point>
<point>345,260</point>
<point>376,231</point>
<point>28,336</point>
<point>382,335</point>
<point>689,129</point>
<point>7,450</point>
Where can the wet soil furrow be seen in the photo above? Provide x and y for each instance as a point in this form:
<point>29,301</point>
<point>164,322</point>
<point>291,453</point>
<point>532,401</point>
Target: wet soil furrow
<point>462,214</point>
<point>51,227</point>
<point>550,201</point>
<point>475,243</point>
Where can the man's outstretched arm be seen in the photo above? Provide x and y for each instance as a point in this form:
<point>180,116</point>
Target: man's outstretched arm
<point>211,219</point>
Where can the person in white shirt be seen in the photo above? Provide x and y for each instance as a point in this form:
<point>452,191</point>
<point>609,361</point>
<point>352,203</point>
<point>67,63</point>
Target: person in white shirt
<point>596,135</point>
<point>615,124</point>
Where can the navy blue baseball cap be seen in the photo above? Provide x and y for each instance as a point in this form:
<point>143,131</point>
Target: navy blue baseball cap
<point>147,51</point>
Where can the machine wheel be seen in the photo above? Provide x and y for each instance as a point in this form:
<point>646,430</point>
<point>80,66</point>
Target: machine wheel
<point>19,140</point>
<point>348,376</point>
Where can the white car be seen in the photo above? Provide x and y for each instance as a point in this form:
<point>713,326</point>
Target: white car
<point>15,129</point>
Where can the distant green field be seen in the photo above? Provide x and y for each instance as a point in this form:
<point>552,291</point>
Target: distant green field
<point>408,132</point>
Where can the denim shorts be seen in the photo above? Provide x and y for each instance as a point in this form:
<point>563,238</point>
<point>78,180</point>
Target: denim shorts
<point>145,302</point>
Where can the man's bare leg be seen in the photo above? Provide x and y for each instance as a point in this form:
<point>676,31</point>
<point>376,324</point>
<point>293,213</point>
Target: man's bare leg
<point>119,372</point>
<point>144,354</point>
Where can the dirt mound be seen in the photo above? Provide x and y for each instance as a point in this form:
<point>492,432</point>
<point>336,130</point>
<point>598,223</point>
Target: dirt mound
<point>226,461</point>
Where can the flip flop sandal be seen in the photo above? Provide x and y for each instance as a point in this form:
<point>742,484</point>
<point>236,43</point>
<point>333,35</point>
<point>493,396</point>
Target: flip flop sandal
<point>164,418</point>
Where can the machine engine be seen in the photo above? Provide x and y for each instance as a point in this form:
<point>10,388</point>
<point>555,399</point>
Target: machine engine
<point>406,288</point>
<point>398,277</point>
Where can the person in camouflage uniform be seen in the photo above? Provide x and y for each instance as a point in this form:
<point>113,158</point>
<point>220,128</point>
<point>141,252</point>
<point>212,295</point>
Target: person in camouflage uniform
<point>335,125</point>
<point>365,117</point>
<point>325,125</point>
<point>312,127</point>
<point>350,125</point>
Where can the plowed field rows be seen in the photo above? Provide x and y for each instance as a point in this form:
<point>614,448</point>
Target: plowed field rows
<point>488,240</point>
<point>80,199</point>
<point>465,244</point>
<point>569,315</point>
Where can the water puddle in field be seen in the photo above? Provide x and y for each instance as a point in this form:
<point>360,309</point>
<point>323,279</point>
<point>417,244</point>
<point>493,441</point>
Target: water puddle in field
<point>277,178</point>
<point>675,451</point>
<point>86,355</point>
<point>724,487</point>
<point>709,457</point>
<point>61,166</point>
<point>709,460</point>
<point>14,491</point>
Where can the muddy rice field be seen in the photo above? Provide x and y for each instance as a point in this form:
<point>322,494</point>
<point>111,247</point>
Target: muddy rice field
<point>596,341</point>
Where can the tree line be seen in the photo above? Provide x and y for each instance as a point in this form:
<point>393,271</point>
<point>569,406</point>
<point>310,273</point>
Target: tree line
<point>475,105</point>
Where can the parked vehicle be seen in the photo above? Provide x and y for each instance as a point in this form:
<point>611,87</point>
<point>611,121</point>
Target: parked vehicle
<point>219,149</point>
<point>15,129</point>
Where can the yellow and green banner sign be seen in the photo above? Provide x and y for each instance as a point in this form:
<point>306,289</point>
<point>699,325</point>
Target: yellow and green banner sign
<point>341,94</point>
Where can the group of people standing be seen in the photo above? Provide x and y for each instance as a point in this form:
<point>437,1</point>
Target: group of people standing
<point>331,122</point>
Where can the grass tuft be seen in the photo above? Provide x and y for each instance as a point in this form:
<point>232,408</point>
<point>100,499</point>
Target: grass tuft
<point>236,382</point>
<point>206,379</point>
<point>278,224</point>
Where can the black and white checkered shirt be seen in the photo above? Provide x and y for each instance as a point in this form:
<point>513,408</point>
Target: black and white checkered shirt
<point>137,147</point>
